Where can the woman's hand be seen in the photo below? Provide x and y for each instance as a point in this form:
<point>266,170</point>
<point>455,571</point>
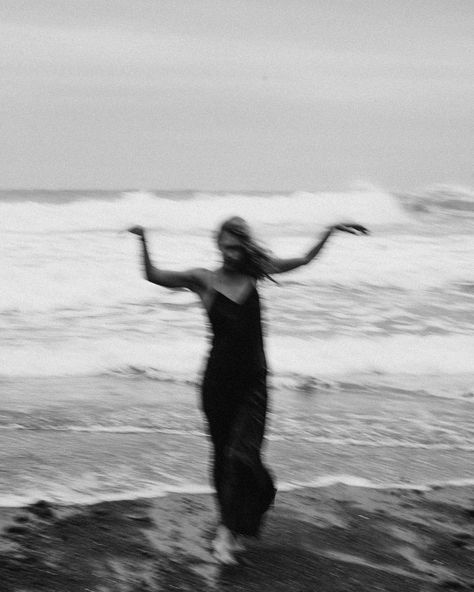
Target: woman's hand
<point>138,230</point>
<point>357,229</point>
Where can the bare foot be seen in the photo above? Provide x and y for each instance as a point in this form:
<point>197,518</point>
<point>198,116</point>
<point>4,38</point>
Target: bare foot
<point>238,544</point>
<point>223,546</point>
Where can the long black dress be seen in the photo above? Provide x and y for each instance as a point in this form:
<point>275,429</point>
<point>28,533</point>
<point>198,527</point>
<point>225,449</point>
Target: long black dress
<point>234,398</point>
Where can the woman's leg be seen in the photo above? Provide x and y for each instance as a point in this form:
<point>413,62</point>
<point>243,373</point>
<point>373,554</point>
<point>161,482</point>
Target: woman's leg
<point>248,489</point>
<point>219,423</point>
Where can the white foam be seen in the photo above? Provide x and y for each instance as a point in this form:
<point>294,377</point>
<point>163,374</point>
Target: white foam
<point>64,496</point>
<point>79,271</point>
<point>71,496</point>
<point>391,355</point>
<point>377,442</point>
<point>164,359</point>
<point>353,481</point>
<point>290,358</point>
<point>203,211</point>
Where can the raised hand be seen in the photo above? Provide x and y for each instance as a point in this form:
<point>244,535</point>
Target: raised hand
<point>357,229</point>
<point>138,230</point>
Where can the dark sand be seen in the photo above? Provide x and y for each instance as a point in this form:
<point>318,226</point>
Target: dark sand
<point>338,538</point>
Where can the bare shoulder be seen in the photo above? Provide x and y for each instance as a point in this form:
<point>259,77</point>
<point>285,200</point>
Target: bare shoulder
<point>201,278</point>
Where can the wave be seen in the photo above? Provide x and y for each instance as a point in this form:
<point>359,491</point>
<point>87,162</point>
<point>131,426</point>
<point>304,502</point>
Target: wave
<point>374,442</point>
<point>32,426</point>
<point>353,481</point>
<point>295,363</point>
<point>178,360</point>
<point>378,277</point>
<point>447,199</point>
<point>202,211</point>
<point>73,211</point>
<point>70,496</point>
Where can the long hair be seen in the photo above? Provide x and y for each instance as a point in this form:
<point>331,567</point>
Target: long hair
<point>258,261</point>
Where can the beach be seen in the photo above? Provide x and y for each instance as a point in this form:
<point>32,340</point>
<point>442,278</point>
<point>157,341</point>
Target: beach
<point>104,451</point>
<point>339,538</point>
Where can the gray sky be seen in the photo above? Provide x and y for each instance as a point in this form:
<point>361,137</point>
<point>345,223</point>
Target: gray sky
<point>236,94</point>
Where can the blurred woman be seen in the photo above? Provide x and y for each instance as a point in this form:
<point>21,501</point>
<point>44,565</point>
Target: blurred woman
<point>234,387</point>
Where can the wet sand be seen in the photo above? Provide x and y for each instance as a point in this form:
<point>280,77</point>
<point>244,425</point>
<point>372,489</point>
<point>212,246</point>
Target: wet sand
<point>338,538</point>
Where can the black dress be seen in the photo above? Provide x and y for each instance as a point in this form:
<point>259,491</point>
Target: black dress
<point>234,398</point>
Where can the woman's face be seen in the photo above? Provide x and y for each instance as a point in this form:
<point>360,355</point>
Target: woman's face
<point>233,253</point>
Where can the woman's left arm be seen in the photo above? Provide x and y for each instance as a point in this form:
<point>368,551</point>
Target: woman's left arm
<point>283,265</point>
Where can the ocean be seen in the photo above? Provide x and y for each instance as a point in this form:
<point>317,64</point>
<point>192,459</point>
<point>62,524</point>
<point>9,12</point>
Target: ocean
<point>370,347</point>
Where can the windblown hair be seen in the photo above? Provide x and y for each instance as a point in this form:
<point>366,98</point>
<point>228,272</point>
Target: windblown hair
<point>258,261</point>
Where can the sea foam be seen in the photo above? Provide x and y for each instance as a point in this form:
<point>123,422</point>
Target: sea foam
<point>202,212</point>
<point>70,497</point>
<point>182,360</point>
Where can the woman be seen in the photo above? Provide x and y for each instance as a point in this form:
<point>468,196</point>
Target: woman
<point>234,393</point>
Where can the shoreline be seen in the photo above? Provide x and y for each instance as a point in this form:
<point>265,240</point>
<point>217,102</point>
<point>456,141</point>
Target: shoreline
<point>192,490</point>
<point>334,538</point>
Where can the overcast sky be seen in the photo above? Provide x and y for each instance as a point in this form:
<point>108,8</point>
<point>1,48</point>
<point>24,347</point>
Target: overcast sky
<point>236,94</point>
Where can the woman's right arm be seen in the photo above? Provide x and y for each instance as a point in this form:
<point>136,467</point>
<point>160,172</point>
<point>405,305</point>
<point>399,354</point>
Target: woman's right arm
<point>193,279</point>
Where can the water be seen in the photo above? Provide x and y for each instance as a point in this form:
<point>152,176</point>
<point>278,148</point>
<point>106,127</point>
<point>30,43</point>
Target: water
<point>370,347</point>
